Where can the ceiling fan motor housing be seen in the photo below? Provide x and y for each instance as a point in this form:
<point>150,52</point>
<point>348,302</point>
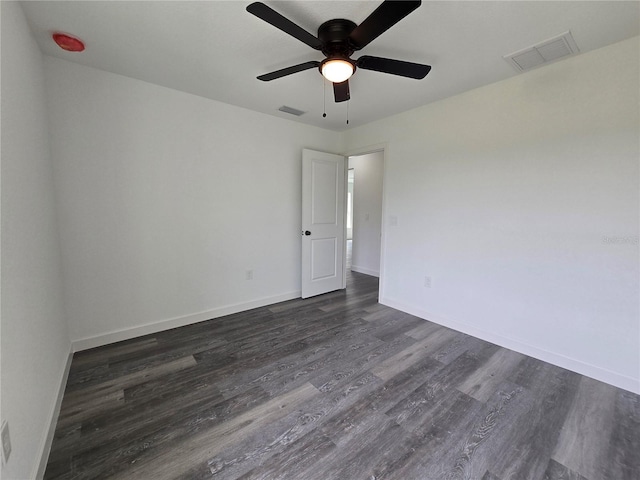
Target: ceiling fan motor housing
<point>334,35</point>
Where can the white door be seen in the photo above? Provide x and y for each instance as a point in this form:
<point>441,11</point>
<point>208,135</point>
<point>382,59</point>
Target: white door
<point>323,197</point>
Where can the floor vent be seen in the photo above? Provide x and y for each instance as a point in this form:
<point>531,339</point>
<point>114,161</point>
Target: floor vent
<point>543,53</point>
<point>292,111</point>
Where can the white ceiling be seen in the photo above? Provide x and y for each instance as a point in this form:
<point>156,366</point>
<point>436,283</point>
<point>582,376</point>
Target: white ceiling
<point>216,49</point>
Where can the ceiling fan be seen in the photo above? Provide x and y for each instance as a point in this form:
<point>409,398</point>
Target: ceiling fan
<point>338,38</point>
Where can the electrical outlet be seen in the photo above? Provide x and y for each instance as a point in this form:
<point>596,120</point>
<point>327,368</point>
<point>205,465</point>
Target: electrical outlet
<point>6,442</point>
<point>249,274</point>
<point>427,282</point>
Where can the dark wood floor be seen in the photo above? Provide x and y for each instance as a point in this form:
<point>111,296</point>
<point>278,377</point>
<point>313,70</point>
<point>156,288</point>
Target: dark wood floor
<point>336,387</point>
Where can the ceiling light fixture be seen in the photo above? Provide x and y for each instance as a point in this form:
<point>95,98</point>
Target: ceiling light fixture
<point>337,70</point>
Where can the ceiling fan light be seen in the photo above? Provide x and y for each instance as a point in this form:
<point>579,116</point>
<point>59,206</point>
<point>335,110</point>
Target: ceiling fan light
<point>337,70</point>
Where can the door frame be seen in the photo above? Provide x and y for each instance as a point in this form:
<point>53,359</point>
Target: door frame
<point>378,147</point>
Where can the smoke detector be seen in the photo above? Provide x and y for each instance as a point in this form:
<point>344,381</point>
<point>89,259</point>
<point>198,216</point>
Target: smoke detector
<point>68,42</point>
<point>544,52</point>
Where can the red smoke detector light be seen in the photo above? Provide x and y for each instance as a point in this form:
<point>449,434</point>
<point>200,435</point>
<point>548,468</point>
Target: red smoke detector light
<point>67,42</point>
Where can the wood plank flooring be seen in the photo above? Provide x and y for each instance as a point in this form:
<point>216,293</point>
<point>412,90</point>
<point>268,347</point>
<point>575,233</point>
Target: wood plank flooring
<point>336,387</point>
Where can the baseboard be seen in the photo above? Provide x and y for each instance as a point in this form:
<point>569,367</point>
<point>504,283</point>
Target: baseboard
<point>155,327</point>
<point>47,440</point>
<point>366,271</point>
<point>558,359</point>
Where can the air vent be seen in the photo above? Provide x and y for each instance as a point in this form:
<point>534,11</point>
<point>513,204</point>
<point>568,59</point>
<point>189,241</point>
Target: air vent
<point>544,52</point>
<point>292,111</point>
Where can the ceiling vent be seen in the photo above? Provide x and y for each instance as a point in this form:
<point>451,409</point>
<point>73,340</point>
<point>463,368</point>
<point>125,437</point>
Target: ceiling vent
<point>543,53</point>
<point>292,111</point>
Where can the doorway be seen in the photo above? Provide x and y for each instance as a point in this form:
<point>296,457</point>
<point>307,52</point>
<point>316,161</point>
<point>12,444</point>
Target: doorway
<point>329,203</point>
<point>364,212</point>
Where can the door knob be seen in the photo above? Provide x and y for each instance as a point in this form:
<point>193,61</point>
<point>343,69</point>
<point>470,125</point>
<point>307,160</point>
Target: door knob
<point>307,232</point>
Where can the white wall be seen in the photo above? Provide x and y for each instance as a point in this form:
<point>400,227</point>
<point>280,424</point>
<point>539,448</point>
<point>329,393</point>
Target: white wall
<point>520,200</point>
<point>367,212</point>
<point>167,199</point>
<point>35,341</point>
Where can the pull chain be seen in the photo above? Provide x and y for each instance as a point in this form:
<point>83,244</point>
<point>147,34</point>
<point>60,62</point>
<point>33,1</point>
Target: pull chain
<point>348,102</point>
<point>324,98</point>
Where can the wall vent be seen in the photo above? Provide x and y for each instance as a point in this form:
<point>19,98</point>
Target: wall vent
<point>543,53</point>
<point>292,111</point>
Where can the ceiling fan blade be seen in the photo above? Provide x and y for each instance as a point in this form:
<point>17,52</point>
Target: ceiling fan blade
<point>341,91</point>
<point>269,15</point>
<point>288,71</point>
<point>394,67</point>
<point>384,17</point>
